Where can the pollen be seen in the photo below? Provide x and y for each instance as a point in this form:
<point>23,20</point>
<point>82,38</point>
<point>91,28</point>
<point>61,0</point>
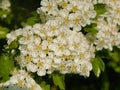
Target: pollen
<point>28,58</point>
<point>27,37</point>
<point>66,20</point>
<point>63,35</point>
<point>76,45</point>
<point>40,64</point>
<point>49,39</point>
<point>81,55</point>
<point>74,9</point>
<point>70,57</point>
<point>38,48</point>
<point>63,57</point>
<point>77,21</point>
<point>62,47</point>
<point>21,83</point>
<point>102,42</point>
<point>32,87</point>
<point>53,28</point>
<point>73,68</point>
<point>46,50</point>
<point>43,31</point>
<point>64,4</point>
<point>49,7</point>
<point>62,67</point>
<point>118,11</point>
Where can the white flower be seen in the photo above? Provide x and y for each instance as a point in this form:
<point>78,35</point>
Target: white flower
<point>22,79</point>
<point>55,48</point>
<point>5,4</point>
<point>107,34</point>
<point>13,35</point>
<point>52,27</point>
<point>49,6</point>
<point>31,67</point>
<point>85,68</point>
<point>41,72</point>
<point>72,13</point>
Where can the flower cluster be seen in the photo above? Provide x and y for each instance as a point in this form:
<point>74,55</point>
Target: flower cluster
<point>108,26</point>
<point>78,13</point>
<point>61,43</point>
<point>4,6</point>
<point>52,46</point>
<point>72,13</point>
<point>22,79</point>
<point>67,39</point>
<point>108,35</point>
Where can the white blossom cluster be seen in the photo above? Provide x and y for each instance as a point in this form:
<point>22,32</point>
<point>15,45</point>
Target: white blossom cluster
<point>60,44</point>
<point>76,14</point>
<point>72,13</point>
<point>51,46</point>
<point>108,26</point>
<point>108,35</point>
<point>5,5</point>
<point>21,79</point>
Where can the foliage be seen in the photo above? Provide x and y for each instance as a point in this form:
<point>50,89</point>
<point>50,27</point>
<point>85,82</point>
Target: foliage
<point>100,8</point>
<point>6,66</point>
<point>91,29</point>
<point>3,32</point>
<point>58,80</point>
<point>98,66</point>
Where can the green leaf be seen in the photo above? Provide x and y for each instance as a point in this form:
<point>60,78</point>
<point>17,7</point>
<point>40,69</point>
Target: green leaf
<point>101,64</point>
<point>98,66</point>
<point>58,80</point>
<point>100,8</point>
<point>6,66</point>
<point>45,86</point>
<point>3,32</point>
<point>91,29</point>
<point>13,45</point>
<point>115,56</point>
<point>117,69</point>
<point>4,12</point>
<point>32,20</point>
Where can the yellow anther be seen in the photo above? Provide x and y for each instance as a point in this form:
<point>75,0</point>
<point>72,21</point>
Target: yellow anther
<point>21,83</point>
<point>66,20</point>
<point>77,21</point>
<point>62,47</point>
<point>28,58</point>
<point>64,4</point>
<point>49,7</point>
<point>38,47</point>
<point>74,9</point>
<point>40,64</point>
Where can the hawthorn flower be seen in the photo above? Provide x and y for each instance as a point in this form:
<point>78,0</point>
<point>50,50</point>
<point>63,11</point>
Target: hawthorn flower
<point>73,14</point>
<point>13,35</point>
<point>22,79</point>
<point>107,34</point>
<point>5,4</point>
<point>56,48</point>
<point>49,6</point>
<point>53,26</point>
